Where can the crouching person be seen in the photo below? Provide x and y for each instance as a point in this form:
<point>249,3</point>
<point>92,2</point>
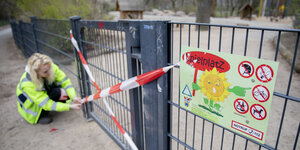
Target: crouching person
<point>43,87</point>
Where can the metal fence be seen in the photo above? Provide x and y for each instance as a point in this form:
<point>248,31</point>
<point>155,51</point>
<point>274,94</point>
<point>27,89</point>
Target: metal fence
<point>191,131</point>
<point>118,50</point>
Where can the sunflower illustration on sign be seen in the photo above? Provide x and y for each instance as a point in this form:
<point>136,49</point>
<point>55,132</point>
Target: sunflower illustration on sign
<point>213,82</point>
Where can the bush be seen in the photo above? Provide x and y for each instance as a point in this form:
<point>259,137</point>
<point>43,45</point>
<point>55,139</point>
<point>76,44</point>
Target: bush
<point>58,9</point>
<point>189,8</point>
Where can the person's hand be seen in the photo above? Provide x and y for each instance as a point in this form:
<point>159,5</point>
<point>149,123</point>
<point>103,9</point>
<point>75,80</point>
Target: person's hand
<point>63,95</point>
<point>75,106</point>
<point>77,100</point>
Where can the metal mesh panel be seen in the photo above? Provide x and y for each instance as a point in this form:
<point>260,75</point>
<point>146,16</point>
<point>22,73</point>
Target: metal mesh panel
<point>28,39</point>
<point>190,131</point>
<point>105,49</point>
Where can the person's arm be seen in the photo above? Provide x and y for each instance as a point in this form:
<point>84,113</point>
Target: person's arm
<point>64,81</point>
<point>42,99</point>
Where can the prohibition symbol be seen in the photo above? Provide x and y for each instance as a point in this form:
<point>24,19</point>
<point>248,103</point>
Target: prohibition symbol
<point>258,112</point>
<point>264,73</point>
<point>241,106</point>
<point>261,93</point>
<point>246,69</point>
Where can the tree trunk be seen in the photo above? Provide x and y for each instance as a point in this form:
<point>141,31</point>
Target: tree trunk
<point>213,6</point>
<point>231,8</point>
<point>203,12</point>
<point>264,8</point>
<point>173,5</point>
<point>227,7</point>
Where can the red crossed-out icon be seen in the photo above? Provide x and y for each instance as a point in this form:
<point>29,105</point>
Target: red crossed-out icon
<point>241,106</point>
<point>261,93</point>
<point>258,112</point>
<point>246,69</point>
<point>264,73</point>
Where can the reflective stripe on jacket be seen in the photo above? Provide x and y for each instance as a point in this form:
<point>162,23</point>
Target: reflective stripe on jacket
<point>31,101</point>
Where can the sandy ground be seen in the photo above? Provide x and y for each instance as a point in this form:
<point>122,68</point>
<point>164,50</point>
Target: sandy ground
<point>74,132</point>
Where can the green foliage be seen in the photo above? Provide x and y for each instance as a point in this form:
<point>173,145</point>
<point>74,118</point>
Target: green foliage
<point>217,107</point>
<point>205,101</point>
<point>293,7</point>
<point>211,103</point>
<point>58,9</point>
<point>189,8</point>
<point>195,86</point>
<point>3,22</point>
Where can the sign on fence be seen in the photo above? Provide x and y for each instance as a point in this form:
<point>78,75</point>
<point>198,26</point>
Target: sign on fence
<point>230,90</point>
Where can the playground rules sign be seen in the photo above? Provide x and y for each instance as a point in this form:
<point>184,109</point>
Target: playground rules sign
<point>230,90</point>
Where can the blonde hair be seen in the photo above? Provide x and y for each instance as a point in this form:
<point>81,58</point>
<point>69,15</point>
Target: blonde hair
<point>34,63</point>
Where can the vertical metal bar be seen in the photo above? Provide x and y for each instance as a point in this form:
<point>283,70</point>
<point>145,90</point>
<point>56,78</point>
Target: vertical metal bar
<point>33,21</point>
<point>80,37</point>
<point>277,45</point>
<point>189,39</point>
<point>170,81</point>
<point>208,47</point>
<point>246,145</point>
<point>212,135</point>
<point>296,140</point>
<point>261,42</point>
<point>198,36</point>
<point>22,39</point>
<point>232,42</point>
<point>202,134</point>
<point>180,33</point>
<point>172,42</point>
<point>186,115</point>
<point>246,42</point>
<point>222,139</point>
<point>180,37</point>
<point>288,89</point>
<point>233,141</point>
<point>171,85</point>
<point>82,82</point>
<point>194,131</point>
<point>220,39</point>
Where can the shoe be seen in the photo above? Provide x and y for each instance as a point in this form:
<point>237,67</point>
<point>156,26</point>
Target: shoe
<point>45,120</point>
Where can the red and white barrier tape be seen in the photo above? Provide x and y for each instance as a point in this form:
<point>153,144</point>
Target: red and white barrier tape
<point>124,133</point>
<point>85,65</point>
<point>125,85</point>
<point>129,83</point>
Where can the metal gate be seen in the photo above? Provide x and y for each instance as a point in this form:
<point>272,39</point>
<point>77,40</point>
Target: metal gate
<point>118,50</point>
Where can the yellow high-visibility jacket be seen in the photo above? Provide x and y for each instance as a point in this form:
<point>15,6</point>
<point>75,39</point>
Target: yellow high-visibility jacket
<point>31,101</point>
